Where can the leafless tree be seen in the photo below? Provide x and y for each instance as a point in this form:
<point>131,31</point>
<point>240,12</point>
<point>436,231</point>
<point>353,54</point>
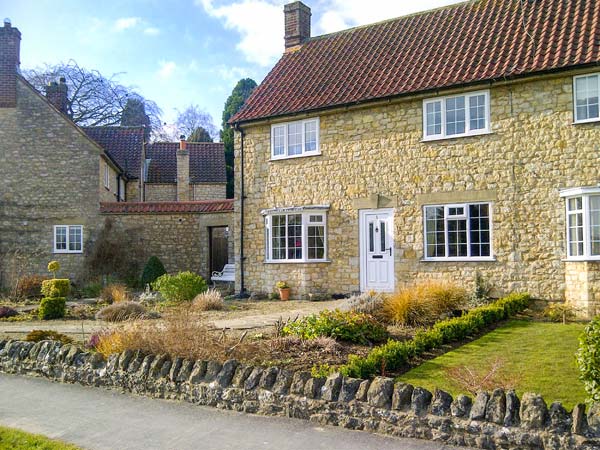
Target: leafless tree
<point>192,118</point>
<point>93,99</point>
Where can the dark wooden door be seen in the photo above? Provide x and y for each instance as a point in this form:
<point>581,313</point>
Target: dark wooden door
<point>218,248</point>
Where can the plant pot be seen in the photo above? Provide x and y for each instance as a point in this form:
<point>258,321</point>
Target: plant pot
<point>284,294</point>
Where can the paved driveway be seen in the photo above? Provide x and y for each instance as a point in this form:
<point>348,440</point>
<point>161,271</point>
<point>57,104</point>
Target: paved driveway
<point>100,419</point>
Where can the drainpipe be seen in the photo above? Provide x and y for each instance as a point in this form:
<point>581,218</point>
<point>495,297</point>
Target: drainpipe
<point>242,293</point>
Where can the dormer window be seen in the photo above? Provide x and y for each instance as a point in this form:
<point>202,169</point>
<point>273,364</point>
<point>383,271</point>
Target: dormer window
<point>295,139</point>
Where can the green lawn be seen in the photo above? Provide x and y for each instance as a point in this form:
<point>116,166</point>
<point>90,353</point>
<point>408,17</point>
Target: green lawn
<point>18,440</point>
<point>536,356</point>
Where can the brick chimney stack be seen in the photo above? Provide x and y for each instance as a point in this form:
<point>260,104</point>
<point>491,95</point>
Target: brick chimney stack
<point>297,24</point>
<point>56,93</point>
<point>10,43</point>
<point>183,171</point>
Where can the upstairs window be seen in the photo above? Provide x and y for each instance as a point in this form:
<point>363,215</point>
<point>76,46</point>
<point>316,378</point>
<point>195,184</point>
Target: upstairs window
<point>586,89</point>
<point>68,238</point>
<point>294,139</point>
<point>296,236</point>
<point>583,223</point>
<point>456,232</point>
<point>106,176</point>
<point>455,116</point>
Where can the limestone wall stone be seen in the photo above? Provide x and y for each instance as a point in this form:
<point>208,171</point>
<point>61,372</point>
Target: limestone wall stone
<point>492,420</point>
<point>377,152</point>
<point>107,194</point>
<point>156,192</point>
<point>181,241</point>
<point>132,190</point>
<point>208,191</point>
<point>49,172</point>
<point>582,279</point>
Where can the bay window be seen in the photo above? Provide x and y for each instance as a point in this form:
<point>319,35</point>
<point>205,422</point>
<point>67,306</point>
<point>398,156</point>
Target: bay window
<point>294,139</point>
<point>295,235</point>
<point>459,231</point>
<point>583,223</point>
<point>455,116</point>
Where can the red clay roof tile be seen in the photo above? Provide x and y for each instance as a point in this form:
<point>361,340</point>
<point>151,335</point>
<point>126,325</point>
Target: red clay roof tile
<point>199,207</point>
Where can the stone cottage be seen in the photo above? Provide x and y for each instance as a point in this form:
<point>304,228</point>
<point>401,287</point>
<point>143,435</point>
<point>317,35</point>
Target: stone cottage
<point>60,182</point>
<point>445,144</point>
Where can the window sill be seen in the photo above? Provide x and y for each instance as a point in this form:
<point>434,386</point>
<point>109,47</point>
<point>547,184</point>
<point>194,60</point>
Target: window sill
<point>583,122</point>
<point>456,136</point>
<point>304,155</point>
<point>320,261</point>
<point>582,259</point>
<point>66,252</point>
<point>450,260</point>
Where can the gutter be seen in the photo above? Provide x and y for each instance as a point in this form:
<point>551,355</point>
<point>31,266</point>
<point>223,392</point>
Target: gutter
<point>242,293</point>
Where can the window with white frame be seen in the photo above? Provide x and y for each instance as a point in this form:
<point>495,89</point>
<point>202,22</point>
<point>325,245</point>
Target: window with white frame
<point>459,231</point>
<point>106,176</point>
<point>583,223</point>
<point>297,236</point>
<point>293,139</point>
<point>586,89</point>
<point>455,116</point>
<point>68,239</point>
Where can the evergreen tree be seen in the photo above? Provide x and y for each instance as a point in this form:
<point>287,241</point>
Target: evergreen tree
<point>134,114</point>
<point>200,135</point>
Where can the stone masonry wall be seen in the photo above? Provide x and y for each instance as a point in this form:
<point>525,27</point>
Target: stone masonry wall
<point>107,194</point>
<point>583,286</point>
<point>49,176</point>
<point>179,240</point>
<point>533,150</point>
<point>208,191</point>
<point>492,420</point>
<point>160,192</point>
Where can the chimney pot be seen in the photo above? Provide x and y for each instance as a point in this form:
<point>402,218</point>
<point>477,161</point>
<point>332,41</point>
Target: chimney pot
<point>297,24</point>
<point>182,142</point>
<point>7,22</point>
<point>57,94</point>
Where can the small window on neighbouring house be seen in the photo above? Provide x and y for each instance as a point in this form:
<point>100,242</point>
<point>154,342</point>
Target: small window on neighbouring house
<point>106,176</point>
<point>455,116</point>
<point>586,92</point>
<point>68,239</point>
<point>458,231</point>
<point>295,237</point>
<point>293,139</point>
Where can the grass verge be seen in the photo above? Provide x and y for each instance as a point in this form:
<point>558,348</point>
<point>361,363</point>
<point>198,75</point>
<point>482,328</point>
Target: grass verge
<point>20,440</point>
<point>535,357</point>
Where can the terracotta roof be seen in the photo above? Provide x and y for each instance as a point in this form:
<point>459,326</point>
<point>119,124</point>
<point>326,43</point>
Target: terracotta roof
<point>201,207</point>
<point>207,162</point>
<point>123,144</point>
<point>460,44</point>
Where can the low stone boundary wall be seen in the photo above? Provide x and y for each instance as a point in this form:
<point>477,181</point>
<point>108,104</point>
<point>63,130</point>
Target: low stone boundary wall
<point>490,421</point>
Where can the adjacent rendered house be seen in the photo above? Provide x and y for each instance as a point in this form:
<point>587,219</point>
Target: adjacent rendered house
<point>441,145</point>
<point>59,183</point>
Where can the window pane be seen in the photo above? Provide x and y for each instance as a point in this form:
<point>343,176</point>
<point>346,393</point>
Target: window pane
<point>586,97</point>
<point>316,242</point>
<point>382,237</point>
<point>575,233</point>
<point>60,238</point>
<point>595,225</point>
<point>433,118</point>
<point>310,136</point>
<point>278,141</point>
<point>457,237</point>
<point>294,236</point>
<point>294,138</point>
<point>479,222</point>
<point>434,230</point>
<point>455,115</point>
<point>75,239</point>
<point>371,238</point>
<point>477,112</point>
<point>278,237</point>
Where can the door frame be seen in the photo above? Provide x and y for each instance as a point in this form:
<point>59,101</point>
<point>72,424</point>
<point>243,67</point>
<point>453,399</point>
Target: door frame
<point>362,263</point>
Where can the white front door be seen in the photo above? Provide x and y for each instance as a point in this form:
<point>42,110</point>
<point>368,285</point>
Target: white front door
<point>377,250</point>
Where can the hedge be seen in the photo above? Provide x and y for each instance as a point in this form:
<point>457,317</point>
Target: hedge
<point>394,354</point>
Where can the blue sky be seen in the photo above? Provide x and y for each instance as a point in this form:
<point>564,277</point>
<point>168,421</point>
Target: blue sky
<point>179,52</point>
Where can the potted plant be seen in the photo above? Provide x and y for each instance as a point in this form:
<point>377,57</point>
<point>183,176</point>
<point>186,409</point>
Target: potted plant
<point>284,290</point>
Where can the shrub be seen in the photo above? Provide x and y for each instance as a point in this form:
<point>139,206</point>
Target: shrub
<point>424,303</point>
<point>341,325</point>
<point>7,311</point>
<point>30,286</point>
<point>393,355</point>
<point>152,270</point>
<point>107,343</point>
<point>321,370</point>
<point>47,335</point>
<point>119,312</point>
<point>52,308</point>
<point>115,293</point>
<point>182,287</point>
<point>560,312</point>
<point>368,303</point>
<point>210,300</point>
<point>57,287</point>
<point>53,267</point>
<point>92,290</point>
<point>588,359</point>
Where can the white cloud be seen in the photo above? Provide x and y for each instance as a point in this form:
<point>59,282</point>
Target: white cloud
<point>167,68</point>
<point>124,23</point>
<point>260,22</point>
<point>151,31</point>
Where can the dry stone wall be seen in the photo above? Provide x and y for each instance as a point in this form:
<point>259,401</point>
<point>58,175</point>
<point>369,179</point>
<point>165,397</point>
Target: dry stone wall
<point>492,420</point>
